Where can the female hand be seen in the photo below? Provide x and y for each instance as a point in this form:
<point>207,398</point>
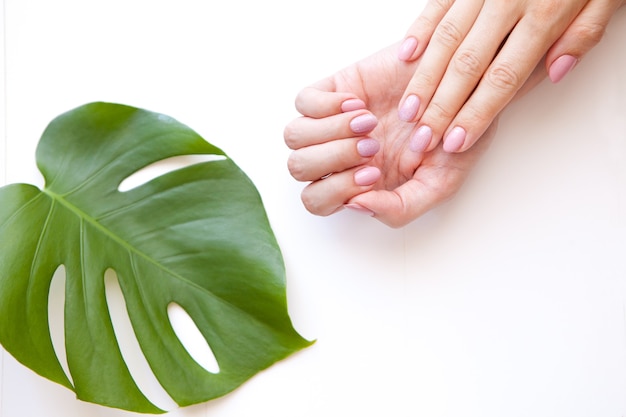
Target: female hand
<point>476,54</point>
<point>349,127</point>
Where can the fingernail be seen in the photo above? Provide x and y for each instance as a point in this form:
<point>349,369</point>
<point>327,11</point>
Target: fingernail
<point>359,209</point>
<point>363,123</point>
<point>367,147</point>
<point>561,67</point>
<point>366,176</point>
<point>407,48</point>
<point>421,139</point>
<point>454,140</point>
<point>409,107</point>
<point>352,104</point>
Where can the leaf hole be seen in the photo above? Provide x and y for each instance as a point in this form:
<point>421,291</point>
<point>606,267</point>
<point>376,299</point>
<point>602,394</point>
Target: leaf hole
<point>129,346</point>
<point>159,168</point>
<point>191,338</point>
<point>56,317</point>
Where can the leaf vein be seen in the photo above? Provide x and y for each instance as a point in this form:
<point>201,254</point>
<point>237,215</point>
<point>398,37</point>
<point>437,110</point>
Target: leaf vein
<point>85,217</point>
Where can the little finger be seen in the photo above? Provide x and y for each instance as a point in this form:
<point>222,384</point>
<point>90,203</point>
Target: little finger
<point>580,37</point>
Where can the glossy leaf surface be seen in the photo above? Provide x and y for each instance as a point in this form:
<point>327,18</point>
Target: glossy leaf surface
<point>198,237</point>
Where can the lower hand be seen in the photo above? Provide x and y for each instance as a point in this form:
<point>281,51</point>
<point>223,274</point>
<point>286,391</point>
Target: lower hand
<point>476,54</point>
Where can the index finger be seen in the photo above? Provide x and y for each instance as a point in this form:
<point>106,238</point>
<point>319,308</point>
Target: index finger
<point>321,100</point>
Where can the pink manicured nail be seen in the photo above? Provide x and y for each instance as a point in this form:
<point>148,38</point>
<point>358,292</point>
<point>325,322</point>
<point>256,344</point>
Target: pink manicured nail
<point>421,139</point>
<point>359,209</point>
<point>407,48</point>
<point>561,67</point>
<point>366,176</point>
<point>363,123</point>
<point>352,104</point>
<point>367,147</point>
<point>454,140</point>
<point>409,107</point>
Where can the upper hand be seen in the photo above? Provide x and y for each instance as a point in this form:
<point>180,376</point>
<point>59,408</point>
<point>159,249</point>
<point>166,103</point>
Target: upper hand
<point>476,54</point>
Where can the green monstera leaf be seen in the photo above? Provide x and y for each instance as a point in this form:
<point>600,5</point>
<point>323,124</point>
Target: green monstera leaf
<point>198,237</point>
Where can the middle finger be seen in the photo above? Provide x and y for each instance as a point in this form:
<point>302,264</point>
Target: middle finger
<point>306,131</point>
<point>313,162</point>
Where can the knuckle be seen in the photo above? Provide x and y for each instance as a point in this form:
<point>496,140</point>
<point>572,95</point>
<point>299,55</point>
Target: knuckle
<point>545,11</point>
<point>504,77</point>
<point>442,5</point>
<point>448,34</point>
<point>439,112</point>
<point>423,81</point>
<point>467,63</point>
<point>591,32</point>
<point>542,14</point>
<point>550,17</point>
<point>429,21</point>
<point>478,117</point>
<point>423,21</point>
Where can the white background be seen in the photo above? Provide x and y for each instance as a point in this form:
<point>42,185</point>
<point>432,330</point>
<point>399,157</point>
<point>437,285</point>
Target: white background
<point>510,300</point>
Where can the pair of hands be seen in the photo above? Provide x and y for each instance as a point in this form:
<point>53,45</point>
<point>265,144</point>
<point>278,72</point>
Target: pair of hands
<point>382,161</point>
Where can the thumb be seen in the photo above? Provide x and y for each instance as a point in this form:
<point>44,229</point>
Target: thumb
<point>583,33</point>
<point>401,206</point>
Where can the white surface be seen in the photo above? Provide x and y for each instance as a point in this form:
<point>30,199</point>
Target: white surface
<point>508,301</point>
